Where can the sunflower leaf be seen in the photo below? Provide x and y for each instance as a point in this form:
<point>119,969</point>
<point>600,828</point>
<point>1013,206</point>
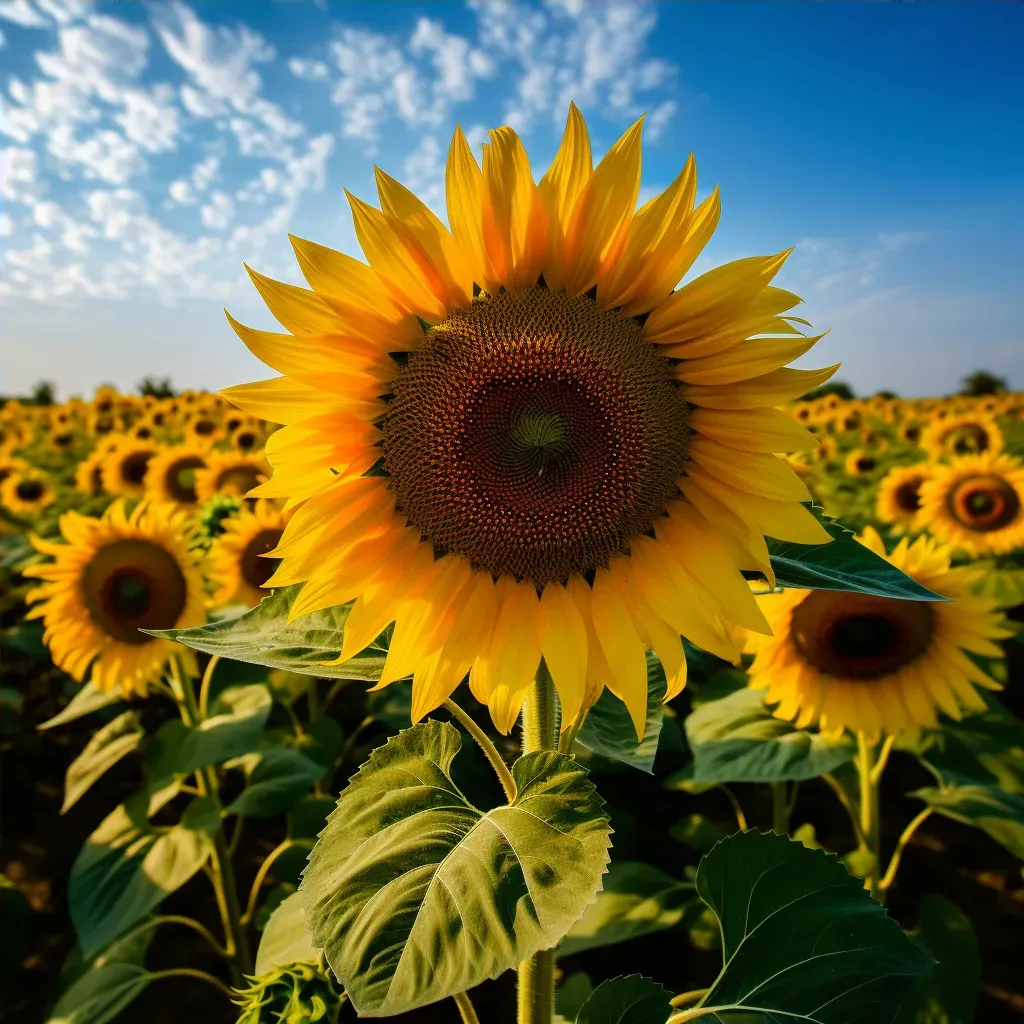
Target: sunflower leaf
<point>632,999</point>
<point>989,808</point>
<point>636,899</point>
<point>948,990</point>
<point>801,939</point>
<point>608,730</point>
<point>286,939</point>
<point>738,739</point>
<point>128,867</point>
<point>263,636</point>
<point>87,700</point>
<point>100,994</point>
<point>843,564</point>
<point>278,778</point>
<point>415,894</point>
<point>105,748</point>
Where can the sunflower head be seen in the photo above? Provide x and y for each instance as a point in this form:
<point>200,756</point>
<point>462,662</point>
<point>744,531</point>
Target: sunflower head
<point>111,578</point>
<point>231,473</point>
<point>966,434</point>
<point>239,567</point>
<point>171,474</point>
<point>899,496</point>
<point>976,504</point>
<point>290,994</point>
<point>845,661</point>
<point>89,474</point>
<point>860,463</point>
<point>516,438</point>
<point>124,469</point>
<point>26,492</point>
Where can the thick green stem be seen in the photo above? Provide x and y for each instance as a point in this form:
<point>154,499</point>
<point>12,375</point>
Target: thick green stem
<point>780,809</point>
<point>466,1009</point>
<point>490,751</point>
<point>870,827</point>
<point>536,982</point>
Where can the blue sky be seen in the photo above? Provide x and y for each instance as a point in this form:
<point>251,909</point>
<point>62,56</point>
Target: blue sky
<point>150,149</point>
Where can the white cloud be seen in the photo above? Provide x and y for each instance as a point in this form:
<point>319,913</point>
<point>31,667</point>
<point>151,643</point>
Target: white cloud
<point>22,13</point>
<point>19,181</point>
<point>308,70</point>
<point>204,172</point>
<point>219,211</point>
<point>6,225</point>
<point>181,192</point>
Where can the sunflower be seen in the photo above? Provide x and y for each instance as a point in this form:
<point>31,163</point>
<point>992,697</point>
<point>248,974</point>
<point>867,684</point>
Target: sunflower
<point>236,563</point>
<point>976,504</point>
<point>89,474</point>
<point>967,434</point>
<point>879,665</point>
<point>899,495</point>
<point>203,429</point>
<point>246,437</point>
<point>124,469</point>
<point>171,475</point>
<point>26,492</point>
<point>231,473</point>
<point>860,463</point>
<point>515,441</point>
<point>115,576</point>
<point>11,464</point>
<point>910,431</point>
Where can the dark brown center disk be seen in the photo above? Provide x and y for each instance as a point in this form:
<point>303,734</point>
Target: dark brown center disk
<point>255,569</point>
<point>984,503</point>
<point>858,636</point>
<point>535,434</point>
<point>908,494</point>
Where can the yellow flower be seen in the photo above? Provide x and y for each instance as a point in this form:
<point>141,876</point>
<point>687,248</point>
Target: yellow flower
<point>171,476</point>
<point>899,495</point>
<point>514,440</point>
<point>89,474</point>
<point>124,469</point>
<point>232,473</point>
<point>113,577</point>
<point>860,463</point>
<point>236,563</point>
<point>878,665</point>
<point>966,434</point>
<point>976,504</point>
<point>25,492</point>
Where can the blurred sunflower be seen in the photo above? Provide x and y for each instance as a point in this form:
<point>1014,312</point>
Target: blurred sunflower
<point>514,440</point>
<point>26,492</point>
<point>231,473</point>
<point>124,469</point>
<point>899,495</point>
<point>967,434</point>
<point>236,563</point>
<point>878,665</point>
<point>976,504</point>
<point>171,475</point>
<point>89,474</point>
<point>910,432</point>
<point>860,463</point>
<point>112,577</point>
<point>246,438</point>
<point>11,464</point>
<point>203,429</point>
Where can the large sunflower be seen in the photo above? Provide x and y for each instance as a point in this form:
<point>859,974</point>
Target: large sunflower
<point>899,495</point>
<point>26,492</point>
<point>968,434</point>
<point>874,664</point>
<point>124,469</point>
<point>171,474</point>
<point>113,577</point>
<point>233,473</point>
<point>237,565</point>
<point>514,440</point>
<point>976,504</point>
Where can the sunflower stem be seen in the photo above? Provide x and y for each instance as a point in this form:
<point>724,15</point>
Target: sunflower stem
<point>466,1009</point>
<point>780,809</point>
<point>536,981</point>
<point>204,687</point>
<point>870,826</point>
<point>901,845</point>
<point>490,750</point>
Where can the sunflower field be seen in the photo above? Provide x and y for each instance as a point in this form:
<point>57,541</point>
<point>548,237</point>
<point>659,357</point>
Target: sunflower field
<point>536,646</point>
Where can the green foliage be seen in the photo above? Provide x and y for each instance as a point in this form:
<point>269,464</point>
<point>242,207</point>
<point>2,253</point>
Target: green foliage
<point>801,939</point>
<point>87,700</point>
<point>156,387</point>
<point>982,382</point>
<point>286,939</point>
<point>738,739</point>
<point>989,808</point>
<point>636,899</point>
<point>843,564</point>
<point>833,387</point>
<point>947,992</point>
<point>629,1000</point>
<point>608,729</point>
<point>276,778</point>
<point>129,866</point>
<point>415,895</point>
<point>101,994</point>
<point>297,993</point>
<point>262,636</point>
<point>105,748</point>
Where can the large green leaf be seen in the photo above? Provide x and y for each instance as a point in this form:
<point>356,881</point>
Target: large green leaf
<point>262,636</point>
<point>738,739</point>
<point>416,895</point>
<point>128,866</point>
<point>843,564</point>
<point>801,939</point>
<point>286,939</point>
<point>100,994</point>
<point>947,992</point>
<point>105,748</point>
<point>633,999</point>
<point>87,700</point>
<point>608,730</point>
<point>636,899</point>
<point>278,777</point>
<point>989,808</point>
<point>233,729</point>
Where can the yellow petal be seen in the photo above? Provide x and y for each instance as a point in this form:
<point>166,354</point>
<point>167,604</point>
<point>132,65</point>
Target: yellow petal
<point>563,642</point>
<point>464,192</point>
<point>741,362</point>
<point>773,388</point>
<point>600,219</point>
<point>296,309</point>
<point>281,399</point>
<point>754,472</point>
<point>754,430</point>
